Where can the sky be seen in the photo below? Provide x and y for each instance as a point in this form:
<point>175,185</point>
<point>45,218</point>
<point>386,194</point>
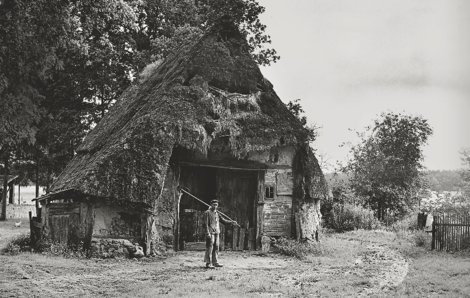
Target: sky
<point>350,60</point>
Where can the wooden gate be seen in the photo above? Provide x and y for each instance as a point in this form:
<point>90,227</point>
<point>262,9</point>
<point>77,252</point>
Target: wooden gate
<point>450,232</point>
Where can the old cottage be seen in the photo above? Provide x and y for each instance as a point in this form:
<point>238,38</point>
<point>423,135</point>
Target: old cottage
<point>205,119</point>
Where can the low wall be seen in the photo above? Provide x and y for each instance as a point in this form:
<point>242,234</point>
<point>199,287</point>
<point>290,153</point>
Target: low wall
<point>20,211</point>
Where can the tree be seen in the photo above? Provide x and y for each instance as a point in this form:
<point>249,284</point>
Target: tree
<point>160,23</point>
<point>298,111</point>
<point>465,173</point>
<point>64,63</point>
<point>385,167</point>
<point>30,32</point>
<point>444,180</point>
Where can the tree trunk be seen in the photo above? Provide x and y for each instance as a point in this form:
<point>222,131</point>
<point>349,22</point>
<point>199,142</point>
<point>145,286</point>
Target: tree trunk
<point>379,210</point>
<point>309,188</point>
<point>309,219</point>
<point>49,179</point>
<point>5,189</point>
<point>37,183</point>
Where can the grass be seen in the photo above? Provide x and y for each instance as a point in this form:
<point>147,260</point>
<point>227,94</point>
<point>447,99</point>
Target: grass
<point>8,230</point>
<point>431,273</point>
<point>341,265</point>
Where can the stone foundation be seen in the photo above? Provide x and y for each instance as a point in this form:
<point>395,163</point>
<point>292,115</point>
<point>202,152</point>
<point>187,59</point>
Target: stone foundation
<point>123,248</point>
<point>111,248</point>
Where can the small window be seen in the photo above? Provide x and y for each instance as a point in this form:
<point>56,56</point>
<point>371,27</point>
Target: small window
<point>270,192</point>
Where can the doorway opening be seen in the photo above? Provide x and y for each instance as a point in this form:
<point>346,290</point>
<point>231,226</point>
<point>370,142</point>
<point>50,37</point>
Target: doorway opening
<point>236,191</point>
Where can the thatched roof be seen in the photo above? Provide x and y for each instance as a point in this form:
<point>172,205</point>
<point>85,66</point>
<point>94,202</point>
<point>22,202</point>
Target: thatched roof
<point>209,92</point>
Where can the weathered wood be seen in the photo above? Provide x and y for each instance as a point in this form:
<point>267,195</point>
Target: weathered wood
<point>73,237</point>
<point>241,239</point>
<point>63,208</point>
<point>59,227</point>
<point>251,239</point>
<point>222,238</point>
<point>235,231</point>
<point>259,222</point>
<point>88,222</point>
<point>228,237</point>
<point>31,228</point>
<point>450,232</point>
<point>195,246</point>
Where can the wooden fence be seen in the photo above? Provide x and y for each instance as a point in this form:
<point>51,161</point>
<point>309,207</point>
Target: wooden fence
<point>450,232</point>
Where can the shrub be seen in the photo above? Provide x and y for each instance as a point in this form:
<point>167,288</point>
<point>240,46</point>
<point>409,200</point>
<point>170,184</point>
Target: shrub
<point>48,247</point>
<point>421,238</point>
<point>349,217</point>
<point>294,248</point>
<point>406,223</point>
<point>19,244</point>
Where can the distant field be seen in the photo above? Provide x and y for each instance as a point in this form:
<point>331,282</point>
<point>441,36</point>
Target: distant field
<point>27,194</point>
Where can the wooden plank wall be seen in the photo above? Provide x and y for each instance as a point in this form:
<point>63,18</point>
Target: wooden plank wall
<point>237,192</point>
<point>70,223</point>
<point>260,209</point>
<point>451,232</point>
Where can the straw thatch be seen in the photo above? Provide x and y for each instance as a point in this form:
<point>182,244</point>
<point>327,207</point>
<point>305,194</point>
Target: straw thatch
<point>208,100</point>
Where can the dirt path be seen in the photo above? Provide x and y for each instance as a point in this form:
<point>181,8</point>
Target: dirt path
<point>392,269</point>
<point>246,274</point>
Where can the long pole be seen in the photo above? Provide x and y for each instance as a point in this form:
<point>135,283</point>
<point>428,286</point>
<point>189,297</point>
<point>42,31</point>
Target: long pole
<point>209,206</point>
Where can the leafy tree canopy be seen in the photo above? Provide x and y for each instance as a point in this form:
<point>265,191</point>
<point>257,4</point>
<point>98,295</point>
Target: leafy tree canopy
<point>64,63</point>
<point>441,181</point>
<point>30,33</point>
<point>296,108</point>
<point>465,173</point>
<point>385,166</point>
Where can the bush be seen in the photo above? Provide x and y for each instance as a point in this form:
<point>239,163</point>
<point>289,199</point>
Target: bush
<point>294,248</point>
<point>349,217</point>
<point>19,244</point>
<point>421,238</point>
<point>60,249</point>
<point>406,223</point>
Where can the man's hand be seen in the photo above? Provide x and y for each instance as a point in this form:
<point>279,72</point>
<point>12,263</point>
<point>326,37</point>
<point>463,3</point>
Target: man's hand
<point>234,223</point>
<point>208,235</point>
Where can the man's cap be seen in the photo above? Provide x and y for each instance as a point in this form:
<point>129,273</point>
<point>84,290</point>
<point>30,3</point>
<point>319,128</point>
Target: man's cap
<point>214,201</point>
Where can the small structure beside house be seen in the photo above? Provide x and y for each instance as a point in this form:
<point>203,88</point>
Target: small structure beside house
<point>207,120</point>
<point>12,180</point>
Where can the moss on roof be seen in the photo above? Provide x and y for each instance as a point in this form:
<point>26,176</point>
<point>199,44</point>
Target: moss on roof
<point>209,89</point>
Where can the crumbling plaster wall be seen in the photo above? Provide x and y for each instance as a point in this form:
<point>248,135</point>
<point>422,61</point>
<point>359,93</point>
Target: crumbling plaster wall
<point>116,222</point>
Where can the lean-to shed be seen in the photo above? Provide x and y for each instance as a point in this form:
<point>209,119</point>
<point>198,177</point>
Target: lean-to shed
<point>205,119</point>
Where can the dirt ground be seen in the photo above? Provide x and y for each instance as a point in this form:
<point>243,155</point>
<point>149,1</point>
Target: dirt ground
<point>369,270</point>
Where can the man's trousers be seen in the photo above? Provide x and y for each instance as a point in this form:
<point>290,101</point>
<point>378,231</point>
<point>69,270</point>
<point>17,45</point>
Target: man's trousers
<point>212,249</point>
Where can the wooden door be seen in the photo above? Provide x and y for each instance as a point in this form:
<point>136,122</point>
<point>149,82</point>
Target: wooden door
<point>237,194</point>
<point>59,228</point>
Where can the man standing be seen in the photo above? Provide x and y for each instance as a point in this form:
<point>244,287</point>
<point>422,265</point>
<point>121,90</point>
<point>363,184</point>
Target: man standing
<point>211,222</point>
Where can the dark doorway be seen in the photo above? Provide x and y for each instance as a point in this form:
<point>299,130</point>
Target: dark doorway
<point>200,182</point>
<point>236,191</point>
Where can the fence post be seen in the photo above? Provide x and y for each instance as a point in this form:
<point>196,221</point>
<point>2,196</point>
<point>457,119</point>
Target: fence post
<point>433,245</point>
